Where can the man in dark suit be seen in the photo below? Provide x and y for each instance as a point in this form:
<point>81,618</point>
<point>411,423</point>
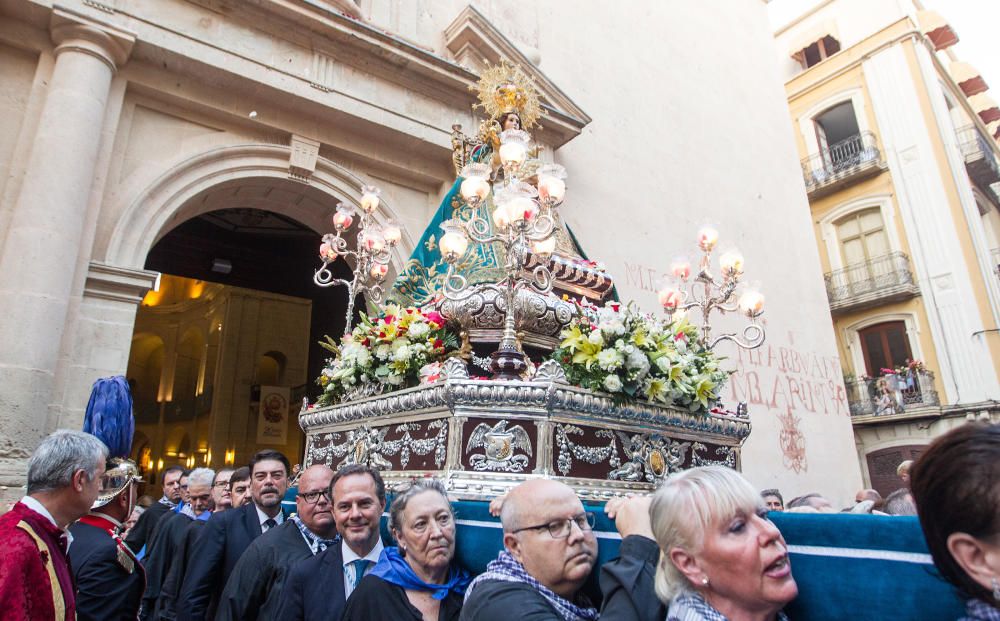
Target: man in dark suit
<point>108,577</point>
<point>317,588</point>
<point>227,535</point>
<point>254,590</point>
<point>170,533</point>
<point>167,604</point>
<point>143,529</point>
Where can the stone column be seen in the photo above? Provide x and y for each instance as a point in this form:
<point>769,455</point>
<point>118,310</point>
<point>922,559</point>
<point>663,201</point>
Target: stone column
<point>46,227</point>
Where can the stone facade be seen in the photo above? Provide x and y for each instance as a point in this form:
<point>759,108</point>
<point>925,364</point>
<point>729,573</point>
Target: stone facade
<point>121,116</point>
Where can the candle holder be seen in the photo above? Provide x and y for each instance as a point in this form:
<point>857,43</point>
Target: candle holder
<point>710,293</point>
<point>372,253</point>
<point>522,223</point>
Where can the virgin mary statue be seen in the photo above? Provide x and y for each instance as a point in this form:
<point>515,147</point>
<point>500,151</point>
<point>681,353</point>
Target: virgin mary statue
<point>510,101</point>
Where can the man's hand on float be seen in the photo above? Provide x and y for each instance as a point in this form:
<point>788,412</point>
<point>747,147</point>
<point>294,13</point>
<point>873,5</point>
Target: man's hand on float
<point>496,504</point>
<point>631,515</point>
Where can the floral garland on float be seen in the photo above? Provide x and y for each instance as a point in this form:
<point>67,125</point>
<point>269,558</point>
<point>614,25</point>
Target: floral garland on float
<point>400,348</point>
<point>613,349</point>
<point>633,355</point>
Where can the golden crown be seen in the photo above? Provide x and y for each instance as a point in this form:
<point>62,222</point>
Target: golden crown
<point>504,88</point>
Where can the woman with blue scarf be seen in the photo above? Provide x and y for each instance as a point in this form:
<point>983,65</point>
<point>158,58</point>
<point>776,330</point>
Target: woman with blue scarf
<point>415,580</point>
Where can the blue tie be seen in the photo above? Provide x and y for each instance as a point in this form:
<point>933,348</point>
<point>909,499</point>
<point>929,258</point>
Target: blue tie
<point>359,566</point>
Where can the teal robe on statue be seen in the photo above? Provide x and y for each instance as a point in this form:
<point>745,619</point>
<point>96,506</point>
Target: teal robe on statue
<point>422,278</point>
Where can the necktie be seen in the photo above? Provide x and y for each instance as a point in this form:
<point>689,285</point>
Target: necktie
<point>360,565</point>
<point>269,523</point>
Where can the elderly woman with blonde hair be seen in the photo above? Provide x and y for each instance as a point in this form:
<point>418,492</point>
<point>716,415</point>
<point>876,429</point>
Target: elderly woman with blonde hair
<point>721,559</point>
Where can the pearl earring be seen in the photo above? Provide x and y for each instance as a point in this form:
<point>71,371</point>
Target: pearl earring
<point>704,581</point>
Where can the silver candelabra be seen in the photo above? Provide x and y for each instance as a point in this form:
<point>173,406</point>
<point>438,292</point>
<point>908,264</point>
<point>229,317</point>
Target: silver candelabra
<point>371,255</point>
<point>709,293</point>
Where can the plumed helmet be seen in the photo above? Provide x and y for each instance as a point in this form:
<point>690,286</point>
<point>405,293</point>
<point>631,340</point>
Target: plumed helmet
<point>109,415</point>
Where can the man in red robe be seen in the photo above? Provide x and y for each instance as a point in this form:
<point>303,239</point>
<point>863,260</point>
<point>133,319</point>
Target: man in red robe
<point>64,479</point>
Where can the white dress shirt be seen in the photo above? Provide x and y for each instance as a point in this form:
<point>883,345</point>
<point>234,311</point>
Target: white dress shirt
<point>40,509</point>
<point>350,556</point>
<point>263,517</point>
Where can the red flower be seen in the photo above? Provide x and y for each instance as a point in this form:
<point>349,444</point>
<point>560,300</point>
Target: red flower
<point>438,343</point>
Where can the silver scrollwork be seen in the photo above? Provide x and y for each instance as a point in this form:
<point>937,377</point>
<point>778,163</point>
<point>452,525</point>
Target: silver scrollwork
<point>368,446</point>
<point>589,454</point>
<point>728,454</point>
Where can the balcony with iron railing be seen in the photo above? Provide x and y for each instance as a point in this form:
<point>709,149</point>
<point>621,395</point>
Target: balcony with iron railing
<point>980,161</point>
<point>894,393</point>
<point>881,280</point>
<point>841,164</point>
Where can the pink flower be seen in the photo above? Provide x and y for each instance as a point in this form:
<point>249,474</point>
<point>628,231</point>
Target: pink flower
<point>435,318</point>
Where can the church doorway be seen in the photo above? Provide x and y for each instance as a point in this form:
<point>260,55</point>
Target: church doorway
<point>225,348</point>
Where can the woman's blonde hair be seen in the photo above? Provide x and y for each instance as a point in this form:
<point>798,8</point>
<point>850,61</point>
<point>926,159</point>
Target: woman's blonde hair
<point>685,506</point>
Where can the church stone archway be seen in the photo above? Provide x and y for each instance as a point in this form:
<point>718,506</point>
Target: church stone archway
<point>234,182</point>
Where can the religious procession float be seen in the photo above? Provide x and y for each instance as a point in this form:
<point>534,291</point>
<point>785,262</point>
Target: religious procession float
<point>502,353</point>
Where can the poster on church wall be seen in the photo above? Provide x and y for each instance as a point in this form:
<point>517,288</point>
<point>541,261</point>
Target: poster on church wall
<point>272,422</point>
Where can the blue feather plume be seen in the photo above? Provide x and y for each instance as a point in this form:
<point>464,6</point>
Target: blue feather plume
<point>109,415</point>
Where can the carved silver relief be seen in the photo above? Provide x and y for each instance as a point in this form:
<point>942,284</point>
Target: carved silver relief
<point>550,371</point>
<point>500,444</point>
<point>454,368</point>
<point>650,457</point>
<point>367,446</point>
<point>484,309</point>
<point>728,454</point>
<point>361,391</point>
<point>369,430</point>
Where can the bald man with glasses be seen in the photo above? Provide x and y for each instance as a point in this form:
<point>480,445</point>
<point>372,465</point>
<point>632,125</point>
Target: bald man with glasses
<point>549,552</point>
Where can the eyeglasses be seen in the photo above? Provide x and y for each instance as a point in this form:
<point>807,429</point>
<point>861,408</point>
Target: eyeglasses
<point>313,497</point>
<point>560,529</point>
<point>223,484</point>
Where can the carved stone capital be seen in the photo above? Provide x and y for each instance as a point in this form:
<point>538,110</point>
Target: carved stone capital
<point>108,282</point>
<point>73,31</point>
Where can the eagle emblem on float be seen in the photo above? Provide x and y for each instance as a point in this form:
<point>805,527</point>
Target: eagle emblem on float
<point>499,443</point>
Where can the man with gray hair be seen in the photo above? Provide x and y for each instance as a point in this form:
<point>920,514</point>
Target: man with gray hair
<point>169,536</point>
<point>64,480</point>
<point>900,502</point>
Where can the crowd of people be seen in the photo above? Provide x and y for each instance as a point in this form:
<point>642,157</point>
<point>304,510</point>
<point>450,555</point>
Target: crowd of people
<point>219,545</point>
